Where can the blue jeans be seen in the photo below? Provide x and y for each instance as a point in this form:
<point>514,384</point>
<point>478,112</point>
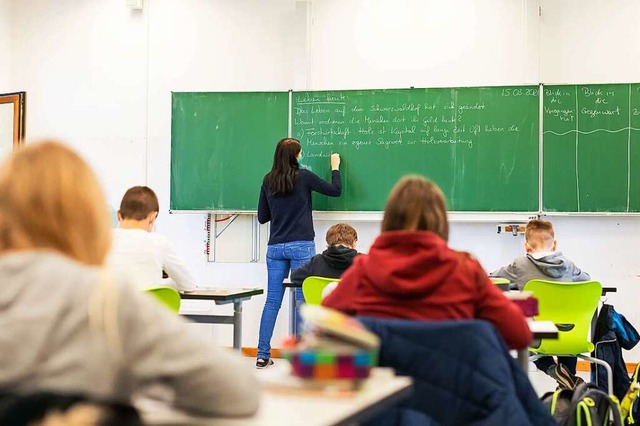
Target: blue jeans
<point>281,258</point>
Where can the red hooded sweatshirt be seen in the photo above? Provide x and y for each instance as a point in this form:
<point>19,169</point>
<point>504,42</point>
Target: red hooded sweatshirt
<point>415,275</point>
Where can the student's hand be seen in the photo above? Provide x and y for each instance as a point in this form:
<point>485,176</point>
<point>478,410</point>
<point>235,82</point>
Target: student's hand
<point>335,161</point>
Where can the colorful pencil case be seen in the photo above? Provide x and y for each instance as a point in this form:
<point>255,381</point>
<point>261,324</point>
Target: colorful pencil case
<point>321,364</point>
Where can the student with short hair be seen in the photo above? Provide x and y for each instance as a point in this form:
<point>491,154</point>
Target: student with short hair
<point>141,254</point>
<point>331,263</point>
<point>542,261</point>
<point>67,326</point>
<point>411,273</point>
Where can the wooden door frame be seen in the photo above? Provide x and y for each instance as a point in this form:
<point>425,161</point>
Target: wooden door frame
<point>19,101</point>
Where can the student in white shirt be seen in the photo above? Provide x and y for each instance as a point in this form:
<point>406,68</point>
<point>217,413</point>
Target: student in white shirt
<point>140,254</point>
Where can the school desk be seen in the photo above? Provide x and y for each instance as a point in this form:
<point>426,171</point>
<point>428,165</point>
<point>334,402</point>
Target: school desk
<point>222,296</point>
<point>291,407</point>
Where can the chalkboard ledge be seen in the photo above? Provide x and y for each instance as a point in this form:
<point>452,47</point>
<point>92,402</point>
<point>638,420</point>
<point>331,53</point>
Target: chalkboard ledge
<point>453,216</point>
<point>370,216</point>
<point>588,214</point>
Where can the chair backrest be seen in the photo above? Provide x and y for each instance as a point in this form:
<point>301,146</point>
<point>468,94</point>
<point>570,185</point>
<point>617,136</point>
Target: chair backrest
<point>168,296</point>
<point>570,306</point>
<point>312,288</point>
<point>462,373</point>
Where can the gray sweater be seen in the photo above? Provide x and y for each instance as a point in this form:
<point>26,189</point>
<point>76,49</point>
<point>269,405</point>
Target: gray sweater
<point>65,328</point>
<point>552,267</point>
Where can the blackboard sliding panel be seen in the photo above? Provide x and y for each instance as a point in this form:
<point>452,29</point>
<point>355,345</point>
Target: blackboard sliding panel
<point>591,145</point>
<point>480,144</point>
<point>221,147</point>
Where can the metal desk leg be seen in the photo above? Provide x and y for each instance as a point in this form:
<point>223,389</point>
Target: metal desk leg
<point>523,359</point>
<point>292,311</point>
<point>237,325</point>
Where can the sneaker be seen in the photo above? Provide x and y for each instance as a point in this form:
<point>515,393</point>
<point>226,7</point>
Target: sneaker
<point>263,362</point>
<point>565,378</point>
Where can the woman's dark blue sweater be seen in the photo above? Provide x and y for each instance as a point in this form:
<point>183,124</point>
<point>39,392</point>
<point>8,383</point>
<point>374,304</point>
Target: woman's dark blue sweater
<point>290,214</point>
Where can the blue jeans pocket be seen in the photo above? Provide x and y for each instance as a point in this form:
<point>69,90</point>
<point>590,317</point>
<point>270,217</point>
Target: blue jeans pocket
<point>302,252</point>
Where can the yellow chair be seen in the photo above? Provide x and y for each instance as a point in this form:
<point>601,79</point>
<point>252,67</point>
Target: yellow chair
<point>312,288</point>
<point>570,306</point>
<point>168,296</point>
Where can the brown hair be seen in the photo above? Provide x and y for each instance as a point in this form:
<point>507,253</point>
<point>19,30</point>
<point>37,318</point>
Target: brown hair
<point>138,202</point>
<point>51,199</point>
<point>416,204</point>
<point>341,234</point>
<point>539,234</point>
<point>284,171</point>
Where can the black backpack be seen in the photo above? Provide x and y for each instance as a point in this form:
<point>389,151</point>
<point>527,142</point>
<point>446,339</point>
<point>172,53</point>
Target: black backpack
<point>585,406</point>
<point>632,417</point>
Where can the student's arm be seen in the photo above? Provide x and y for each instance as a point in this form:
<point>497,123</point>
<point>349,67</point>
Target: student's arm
<point>264,213</point>
<point>157,345</point>
<point>505,316</point>
<point>579,275</point>
<point>333,189</point>
<point>345,295</point>
<point>174,266</point>
<point>298,275</point>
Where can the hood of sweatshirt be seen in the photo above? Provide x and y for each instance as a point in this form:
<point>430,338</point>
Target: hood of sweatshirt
<point>410,263</point>
<point>554,265</point>
<point>339,257</point>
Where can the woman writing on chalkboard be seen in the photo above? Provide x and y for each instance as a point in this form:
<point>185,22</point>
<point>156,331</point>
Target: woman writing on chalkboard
<point>285,200</point>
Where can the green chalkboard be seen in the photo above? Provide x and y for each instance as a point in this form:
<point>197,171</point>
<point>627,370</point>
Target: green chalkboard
<point>479,144</point>
<point>221,147</point>
<point>591,145</point>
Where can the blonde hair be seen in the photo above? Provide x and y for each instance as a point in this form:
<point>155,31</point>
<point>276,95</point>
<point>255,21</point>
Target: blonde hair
<point>416,204</point>
<point>51,199</point>
<point>539,234</point>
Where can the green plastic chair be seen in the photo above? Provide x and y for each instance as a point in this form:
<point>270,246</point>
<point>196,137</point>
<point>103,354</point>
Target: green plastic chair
<point>312,288</point>
<point>570,306</point>
<point>168,296</point>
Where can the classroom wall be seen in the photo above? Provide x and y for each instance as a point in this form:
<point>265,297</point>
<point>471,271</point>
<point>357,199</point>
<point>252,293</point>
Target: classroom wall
<point>102,79</point>
<point>589,42</point>
<point>5,45</point>
<point>84,67</point>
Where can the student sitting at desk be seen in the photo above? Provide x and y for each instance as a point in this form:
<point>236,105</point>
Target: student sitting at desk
<point>331,263</point>
<point>140,253</point>
<point>66,326</point>
<point>542,261</point>
<point>411,273</point>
